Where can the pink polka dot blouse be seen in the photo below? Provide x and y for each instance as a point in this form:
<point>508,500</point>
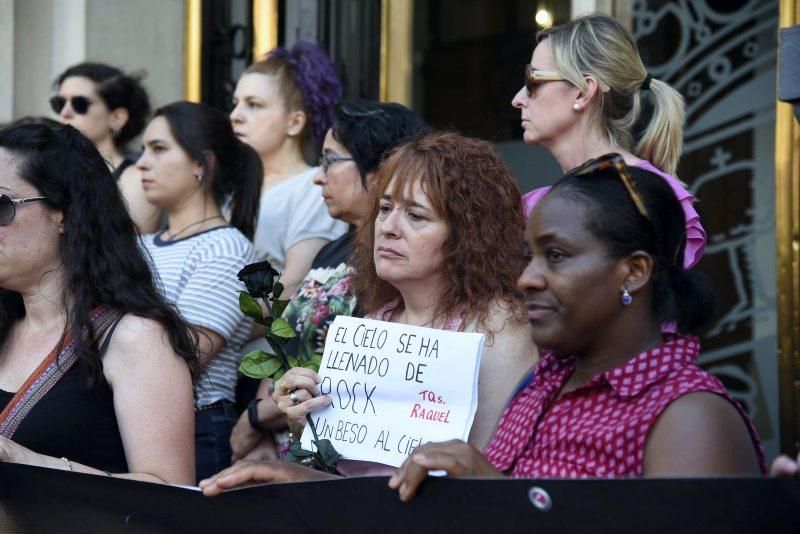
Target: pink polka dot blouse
<point>600,429</point>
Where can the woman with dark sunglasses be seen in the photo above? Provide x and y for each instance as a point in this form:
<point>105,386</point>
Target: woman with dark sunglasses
<point>612,396</point>
<point>587,93</point>
<point>96,369</point>
<point>360,133</point>
<point>110,108</point>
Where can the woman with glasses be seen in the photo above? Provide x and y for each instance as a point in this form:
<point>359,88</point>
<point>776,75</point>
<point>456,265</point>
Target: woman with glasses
<point>111,109</point>
<point>360,133</point>
<point>612,396</point>
<point>194,168</point>
<point>587,93</point>
<point>96,369</point>
<point>282,108</point>
<point>440,246</point>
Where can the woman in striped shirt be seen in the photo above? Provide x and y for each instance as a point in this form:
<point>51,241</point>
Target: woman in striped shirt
<point>193,166</point>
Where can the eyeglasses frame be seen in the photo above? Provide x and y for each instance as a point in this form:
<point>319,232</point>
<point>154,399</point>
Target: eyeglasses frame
<point>14,202</point>
<point>532,77</point>
<point>326,160</point>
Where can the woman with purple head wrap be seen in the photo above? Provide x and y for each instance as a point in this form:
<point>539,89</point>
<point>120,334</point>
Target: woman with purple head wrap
<point>283,105</point>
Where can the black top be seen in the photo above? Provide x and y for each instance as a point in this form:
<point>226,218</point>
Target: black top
<point>75,420</point>
<point>129,160</point>
<point>336,252</point>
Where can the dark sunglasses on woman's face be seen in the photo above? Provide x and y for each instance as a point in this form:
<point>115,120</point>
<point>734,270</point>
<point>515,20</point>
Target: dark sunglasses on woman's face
<point>536,77</point>
<point>8,207</point>
<point>80,104</point>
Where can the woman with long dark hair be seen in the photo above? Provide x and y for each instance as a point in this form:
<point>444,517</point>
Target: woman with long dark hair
<point>111,108</point>
<point>195,169</point>
<point>96,368</point>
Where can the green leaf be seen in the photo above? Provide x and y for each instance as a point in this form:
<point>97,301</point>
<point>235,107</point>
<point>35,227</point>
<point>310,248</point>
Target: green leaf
<point>278,306</point>
<point>259,364</point>
<point>299,451</point>
<point>298,455</point>
<point>327,454</point>
<point>316,361</point>
<point>281,328</point>
<point>279,374</point>
<point>277,289</point>
<point>293,362</point>
<point>250,307</point>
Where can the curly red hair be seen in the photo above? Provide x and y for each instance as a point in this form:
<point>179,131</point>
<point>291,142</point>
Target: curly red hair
<point>473,190</point>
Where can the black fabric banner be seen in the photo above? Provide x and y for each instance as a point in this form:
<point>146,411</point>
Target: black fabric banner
<point>36,500</point>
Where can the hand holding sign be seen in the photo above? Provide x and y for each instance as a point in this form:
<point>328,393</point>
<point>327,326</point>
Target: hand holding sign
<point>456,458</point>
<point>394,387</point>
<point>303,383</point>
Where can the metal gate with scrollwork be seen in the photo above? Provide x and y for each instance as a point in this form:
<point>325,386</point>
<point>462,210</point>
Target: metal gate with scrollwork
<point>721,55</point>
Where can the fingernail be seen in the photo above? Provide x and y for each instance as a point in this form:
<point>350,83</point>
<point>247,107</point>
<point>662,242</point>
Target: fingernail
<point>421,457</point>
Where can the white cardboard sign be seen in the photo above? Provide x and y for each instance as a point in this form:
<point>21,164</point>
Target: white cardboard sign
<point>395,387</point>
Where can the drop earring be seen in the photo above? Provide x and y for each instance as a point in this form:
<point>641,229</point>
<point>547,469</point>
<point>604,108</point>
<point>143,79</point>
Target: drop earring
<point>626,297</point>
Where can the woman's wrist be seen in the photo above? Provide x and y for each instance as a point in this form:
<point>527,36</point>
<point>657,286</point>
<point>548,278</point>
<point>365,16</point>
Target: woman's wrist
<point>253,416</point>
<point>295,433</point>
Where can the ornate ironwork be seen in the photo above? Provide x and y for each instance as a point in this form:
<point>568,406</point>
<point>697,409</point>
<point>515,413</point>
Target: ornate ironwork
<point>721,57</point>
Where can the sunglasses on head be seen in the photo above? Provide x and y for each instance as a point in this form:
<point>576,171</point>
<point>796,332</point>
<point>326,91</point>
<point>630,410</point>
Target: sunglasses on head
<point>535,77</point>
<point>8,207</point>
<point>80,104</point>
<point>616,162</point>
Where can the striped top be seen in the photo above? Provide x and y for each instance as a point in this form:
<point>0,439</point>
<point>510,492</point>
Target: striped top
<point>197,274</point>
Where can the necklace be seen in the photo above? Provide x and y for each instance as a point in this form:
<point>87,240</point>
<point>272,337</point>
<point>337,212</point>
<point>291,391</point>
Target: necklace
<point>171,236</point>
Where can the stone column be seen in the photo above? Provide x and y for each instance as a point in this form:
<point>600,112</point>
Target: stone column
<point>41,38</point>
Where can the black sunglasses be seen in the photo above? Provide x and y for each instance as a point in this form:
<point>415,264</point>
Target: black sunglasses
<point>616,162</point>
<point>8,207</point>
<point>79,103</point>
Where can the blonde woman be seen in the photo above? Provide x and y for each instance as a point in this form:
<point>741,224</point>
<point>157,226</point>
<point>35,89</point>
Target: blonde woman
<point>587,92</point>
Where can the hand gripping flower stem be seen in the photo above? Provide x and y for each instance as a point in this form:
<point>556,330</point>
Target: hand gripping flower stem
<point>260,281</point>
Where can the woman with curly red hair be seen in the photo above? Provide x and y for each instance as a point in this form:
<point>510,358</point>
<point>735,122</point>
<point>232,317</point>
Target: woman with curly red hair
<point>444,250</point>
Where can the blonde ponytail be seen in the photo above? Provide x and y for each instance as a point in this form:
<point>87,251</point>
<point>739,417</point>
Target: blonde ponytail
<point>598,45</point>
<point>662,141</point>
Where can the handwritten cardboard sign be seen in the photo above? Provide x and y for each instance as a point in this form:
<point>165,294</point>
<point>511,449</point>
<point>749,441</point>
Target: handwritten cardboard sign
<point>395,387</point>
